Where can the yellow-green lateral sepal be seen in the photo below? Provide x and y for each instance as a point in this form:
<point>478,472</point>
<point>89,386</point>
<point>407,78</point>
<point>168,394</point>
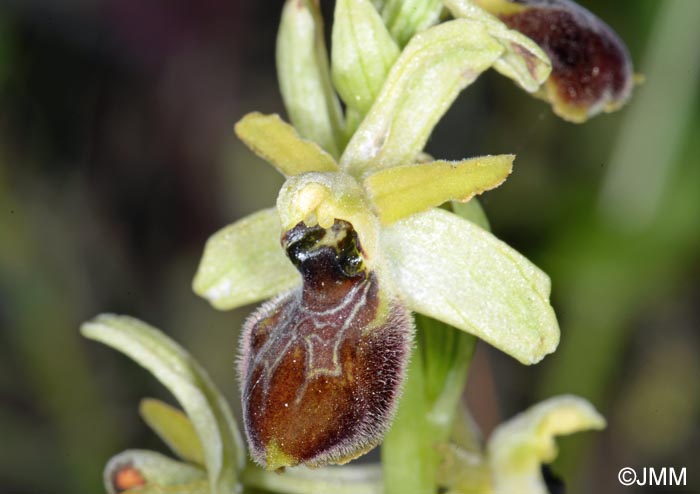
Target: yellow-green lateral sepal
<point>147,472</point>
<point>420,87</point>
<point>404,190</point>
<point>277,142</point>
<point>174,428</point>
<point>456,272</point>
<point>223,451</point>
<point>518,447</point>
<point>244,263</point>
<point>522,60</point>
<point>363,53</point>
<point>305,78</point>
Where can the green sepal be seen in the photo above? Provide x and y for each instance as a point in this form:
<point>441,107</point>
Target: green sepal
<point>160,474</point>
<point>435,66</point>
<point>304,76</point>
<point>278,143</point>
<point>404,190</point>
<point>363,52</point>
<point>244,263</point>
<point>517,448</point>
<point>458,273</point>
<point>523,60</point>
<point>405,18</point>
<point>174,428</point>
<point>224,453</point>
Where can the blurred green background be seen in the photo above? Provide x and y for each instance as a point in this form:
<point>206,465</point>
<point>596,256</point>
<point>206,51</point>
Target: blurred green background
<point>117,161</point>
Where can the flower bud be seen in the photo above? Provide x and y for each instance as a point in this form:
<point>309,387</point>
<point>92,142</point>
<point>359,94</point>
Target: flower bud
<point>591,68</point>
<point>321,367</point>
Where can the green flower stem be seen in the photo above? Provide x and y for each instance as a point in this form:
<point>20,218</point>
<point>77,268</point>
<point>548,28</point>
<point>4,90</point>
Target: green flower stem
<point>407,453</point>
<point>436,378</point>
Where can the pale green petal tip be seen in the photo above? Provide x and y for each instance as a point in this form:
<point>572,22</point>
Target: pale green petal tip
<point>532,432</point>
<point>244,263</point>
<point>518,447</point>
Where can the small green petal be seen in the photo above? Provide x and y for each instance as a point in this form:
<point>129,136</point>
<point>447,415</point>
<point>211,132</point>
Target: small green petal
<point>456,272</point>
<point>523,60</point>
<point>363,53</point>
<point>404,190</point>
<point>148,472</point>
<point>304,76</point>
<point>519,447</point>
<point>211,417</point>
<point>405,18</point>
<point>244,263</point>
<point>435,66</point>
<point>174,428</point>
<point>277,142</point>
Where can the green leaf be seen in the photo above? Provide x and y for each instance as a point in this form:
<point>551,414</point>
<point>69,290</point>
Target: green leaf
<point>224,453</point>
<point>174,428</point>
<point>405,18</point>
<point>408,453</point>
<point>454,271</point>
<point>304,76</point>
<point>517,448</point>
<point>435,66</point>
<point>404,190</point>
<point>523,60</point>
<point>277,142</point>
<point>244,263</point>
<point>363,52</point>
<point>158,472</point>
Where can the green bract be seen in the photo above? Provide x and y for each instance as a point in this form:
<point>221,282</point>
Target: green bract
<point>207,436</point>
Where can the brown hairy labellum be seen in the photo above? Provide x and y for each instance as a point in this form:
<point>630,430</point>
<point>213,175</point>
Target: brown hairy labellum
<point>321,367</point>
<point>591,68</point>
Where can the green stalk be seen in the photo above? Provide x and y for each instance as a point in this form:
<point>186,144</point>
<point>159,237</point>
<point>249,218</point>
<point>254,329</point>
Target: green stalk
<point>436,378</point>
<point>407,454</point>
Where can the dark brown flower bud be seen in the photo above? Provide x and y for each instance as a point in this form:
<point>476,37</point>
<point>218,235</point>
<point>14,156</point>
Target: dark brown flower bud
<point>591,67</point>
<point>321,367</point>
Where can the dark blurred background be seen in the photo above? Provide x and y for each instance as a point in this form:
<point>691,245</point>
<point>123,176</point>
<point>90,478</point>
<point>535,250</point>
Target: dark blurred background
<point>117,161</point>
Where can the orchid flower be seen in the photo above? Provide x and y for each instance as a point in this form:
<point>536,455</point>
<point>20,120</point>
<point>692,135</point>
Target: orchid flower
<point>357,244</point>
<point>369,234</point>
